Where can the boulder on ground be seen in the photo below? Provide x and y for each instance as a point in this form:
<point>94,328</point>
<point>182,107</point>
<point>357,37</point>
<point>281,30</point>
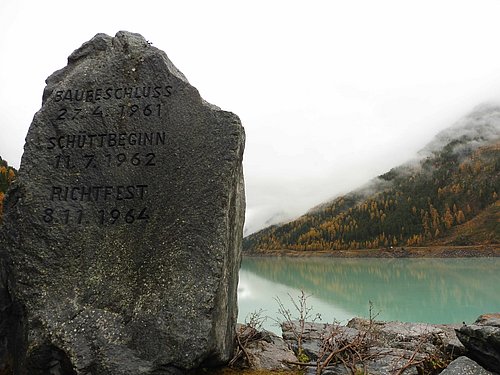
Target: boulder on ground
<point>482,341</point>
<point>121,240</point>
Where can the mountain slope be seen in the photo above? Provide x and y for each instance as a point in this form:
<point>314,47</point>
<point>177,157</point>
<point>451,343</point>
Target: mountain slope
<point>482,229</point>
<point>432,200</point>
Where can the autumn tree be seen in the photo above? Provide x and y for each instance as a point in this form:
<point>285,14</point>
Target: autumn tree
<point>412,205</point>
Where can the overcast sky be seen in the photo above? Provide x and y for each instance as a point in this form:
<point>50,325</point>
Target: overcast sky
<point>331,93</point>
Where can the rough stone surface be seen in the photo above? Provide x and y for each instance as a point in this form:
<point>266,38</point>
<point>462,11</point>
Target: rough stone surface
<point>313,336</point>
<point>384,362</point>
<point>380,347</point>
<point>464,366</point>
<point>270,353</point>
<point>428,337</point>
<point>492,320</point>
<point>482,341</point>
<point>384,347</point>
<point>122,234</point>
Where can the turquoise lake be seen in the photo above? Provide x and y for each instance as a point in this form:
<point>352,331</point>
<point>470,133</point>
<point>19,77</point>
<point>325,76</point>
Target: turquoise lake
<point>417,290</point>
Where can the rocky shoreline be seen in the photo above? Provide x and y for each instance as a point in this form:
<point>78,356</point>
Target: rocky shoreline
<point>368,346</point>
<point>476,251</point>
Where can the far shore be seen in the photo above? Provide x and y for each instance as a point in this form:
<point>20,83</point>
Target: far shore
<point>441,251</point>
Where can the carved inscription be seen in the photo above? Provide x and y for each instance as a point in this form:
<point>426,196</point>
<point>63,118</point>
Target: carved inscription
<point>93,141</point>
<point>108,160</point>
<point>78,151</point>
<point>122,110</point>
<point>97,193</point>
<point>91,193</point>
<point>113,93</point>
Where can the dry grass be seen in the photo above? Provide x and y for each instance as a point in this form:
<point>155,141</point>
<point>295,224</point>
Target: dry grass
<point>231,371</point>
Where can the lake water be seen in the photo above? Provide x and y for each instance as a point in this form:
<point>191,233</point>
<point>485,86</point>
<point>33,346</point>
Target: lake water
<point>409,290</point>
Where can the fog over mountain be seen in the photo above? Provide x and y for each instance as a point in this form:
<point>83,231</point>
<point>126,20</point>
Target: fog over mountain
<point>478,127</point>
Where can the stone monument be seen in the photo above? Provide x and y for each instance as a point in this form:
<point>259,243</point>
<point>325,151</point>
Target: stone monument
<point>121,240</point>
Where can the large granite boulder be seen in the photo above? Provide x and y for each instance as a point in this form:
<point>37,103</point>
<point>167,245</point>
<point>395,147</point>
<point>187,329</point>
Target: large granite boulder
<point>482,341</point>
<point>122,235</point>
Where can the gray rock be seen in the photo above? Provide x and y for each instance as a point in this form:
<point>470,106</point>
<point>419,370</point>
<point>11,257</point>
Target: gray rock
<point>314,335</point>
<point>450,342</point>
<point>464,366</point>
<point>377,347</point>
<point>394,360</point>
<point>122,234</point>
<point>384,362</point>
<point>482,342</point>
<point>271,353</point>
<point>427,337</point>
<point>492,320</point>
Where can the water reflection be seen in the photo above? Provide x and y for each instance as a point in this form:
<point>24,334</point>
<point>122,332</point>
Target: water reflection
<point>424,290</point>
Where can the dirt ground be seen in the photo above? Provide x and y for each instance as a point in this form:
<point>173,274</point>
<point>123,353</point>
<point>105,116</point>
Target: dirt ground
<point>396,252</point>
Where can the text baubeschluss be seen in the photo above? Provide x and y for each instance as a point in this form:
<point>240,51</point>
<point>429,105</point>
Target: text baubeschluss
<point>112,93</point>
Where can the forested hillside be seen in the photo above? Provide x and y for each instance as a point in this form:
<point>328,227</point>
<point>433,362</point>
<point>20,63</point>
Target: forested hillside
<point>419,203</point>
<point>7,175</point>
